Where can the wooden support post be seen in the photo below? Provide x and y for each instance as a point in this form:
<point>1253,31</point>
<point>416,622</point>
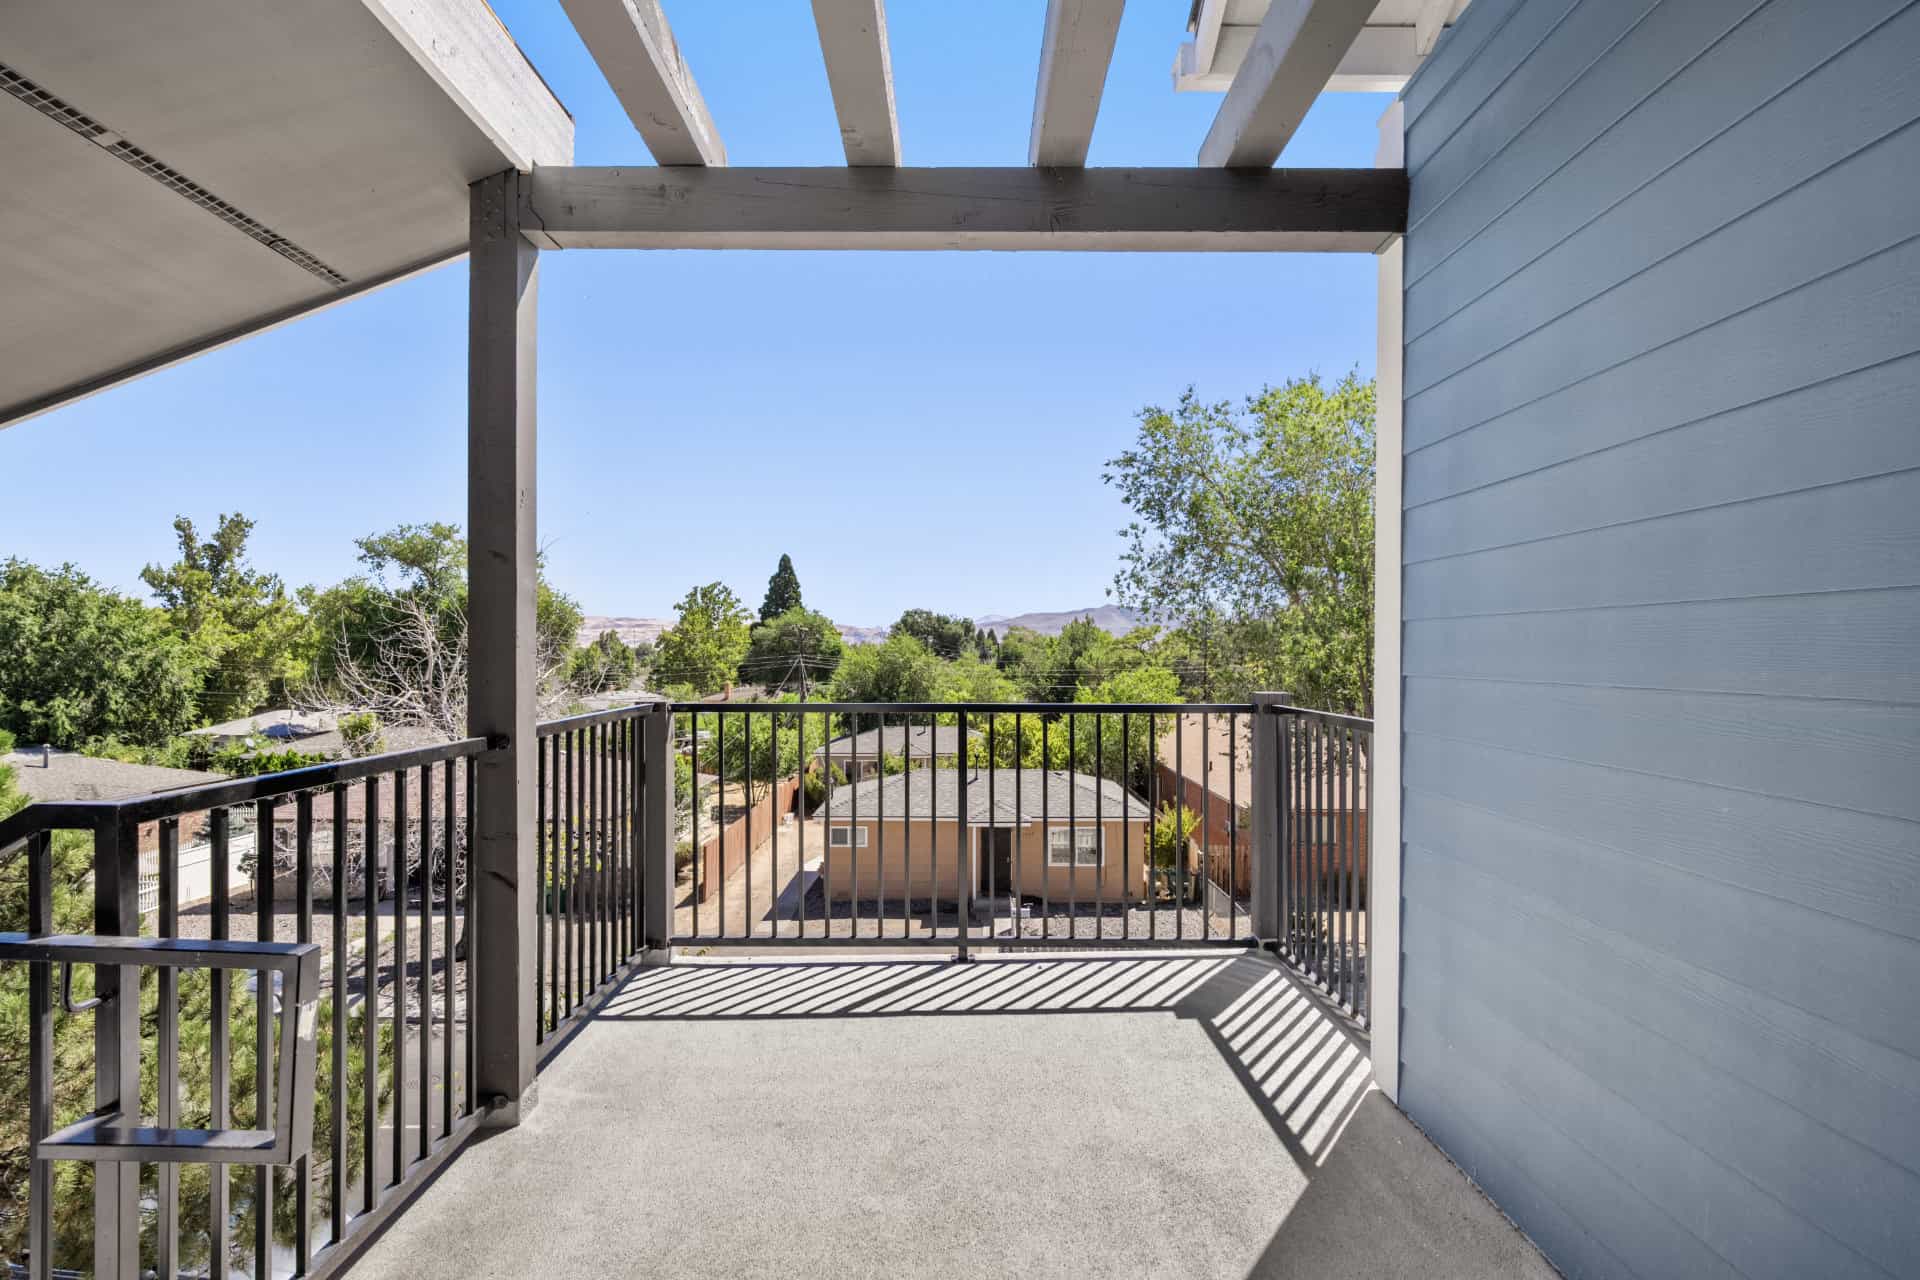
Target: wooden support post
<point>503,276</point>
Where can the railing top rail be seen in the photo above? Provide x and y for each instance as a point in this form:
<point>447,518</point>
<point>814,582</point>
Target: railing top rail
<point>998,708</point>
<point>70,815</point>
<point>1332,717</point>
<point>547,728</point>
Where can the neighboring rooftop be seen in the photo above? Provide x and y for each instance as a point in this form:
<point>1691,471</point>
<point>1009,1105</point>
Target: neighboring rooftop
<point>281,725</point>
<point>47,777</point>
<point>896,740</point>
<point>1005,795</point>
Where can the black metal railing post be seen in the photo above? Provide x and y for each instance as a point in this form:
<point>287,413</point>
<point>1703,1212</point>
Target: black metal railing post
<point>1270,802</point>
<point>656,836</point>
<point>116,1044</point>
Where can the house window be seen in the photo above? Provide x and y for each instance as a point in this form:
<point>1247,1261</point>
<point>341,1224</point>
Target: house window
<point>843,837</point>
<point>1086,846</point>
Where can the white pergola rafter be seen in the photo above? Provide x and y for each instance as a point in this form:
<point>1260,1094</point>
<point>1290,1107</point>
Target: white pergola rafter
<point>636,52</point>
<point>1298,48</point>
<point>1074,56</point>
<point>853,42</point>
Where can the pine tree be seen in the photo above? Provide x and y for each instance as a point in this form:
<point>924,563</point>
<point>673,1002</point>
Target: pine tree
<point>783,591</point>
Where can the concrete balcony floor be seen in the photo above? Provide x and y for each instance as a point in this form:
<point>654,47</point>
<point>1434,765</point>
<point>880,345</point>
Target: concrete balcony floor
<point>1189,1116</point>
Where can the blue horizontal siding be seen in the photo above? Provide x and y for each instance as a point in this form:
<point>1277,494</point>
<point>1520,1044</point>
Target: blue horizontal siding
<point>1661,635</point>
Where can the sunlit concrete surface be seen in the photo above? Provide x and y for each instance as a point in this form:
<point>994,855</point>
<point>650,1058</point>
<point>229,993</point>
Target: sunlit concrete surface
<point>1189,1116</point>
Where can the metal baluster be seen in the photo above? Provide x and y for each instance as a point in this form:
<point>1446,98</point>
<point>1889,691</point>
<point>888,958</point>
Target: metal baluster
<point>263,1036</point>
<point>219,1054</point>
<point>1153,817</point>
<point>370,1005</point>
<point>963,903</point>
<point>1206,821</point>
<point>1364,884</point>
<point>1233,825</point>
<point>1099,826</point>
<point>746,726</point>
<point>1073,827</point>
<point>167,925</point>
<point>448,854</point>
<point>473,938</point>
<point>40,1059</point>
<point>720,767</point>
<point>695,868</point>
<point>544,900</point>
<point>990,852</point>
<point>425,984</point>
<point>1046,829</point>
<point>337,1078</point>
<point>1180,829</point>
<point>400,948</point>
<point>303,932</point>
<point>1019,835</point>
<point>1126,826</point>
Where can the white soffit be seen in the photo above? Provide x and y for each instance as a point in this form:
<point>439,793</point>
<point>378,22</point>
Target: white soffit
<point>1397,37</point>
<point>188,173</point>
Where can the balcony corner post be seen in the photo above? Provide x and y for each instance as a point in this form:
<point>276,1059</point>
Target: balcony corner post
<point>1270,800</point>
<point>656,840</point>
<point>503,276</point>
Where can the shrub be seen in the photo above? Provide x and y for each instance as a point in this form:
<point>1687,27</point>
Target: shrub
<point>361,732</point>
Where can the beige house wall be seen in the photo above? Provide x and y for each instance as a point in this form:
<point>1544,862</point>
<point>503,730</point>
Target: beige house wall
<point>918,859</point>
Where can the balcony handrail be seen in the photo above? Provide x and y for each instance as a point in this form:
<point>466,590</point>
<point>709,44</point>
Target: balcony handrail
<point>87,815</point>
<point>938,708</point>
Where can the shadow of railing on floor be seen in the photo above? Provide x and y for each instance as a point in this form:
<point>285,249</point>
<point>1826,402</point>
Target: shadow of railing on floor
<point>1303,1065</point>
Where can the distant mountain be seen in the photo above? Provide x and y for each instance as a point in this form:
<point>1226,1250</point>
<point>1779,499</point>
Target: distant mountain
<point>861,635</point>
<point>632,631</point>
<point>1109,618</point>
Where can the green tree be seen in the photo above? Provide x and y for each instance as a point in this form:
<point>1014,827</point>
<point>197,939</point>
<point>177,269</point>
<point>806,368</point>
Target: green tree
<point>968,679</point>
<point>79,661</point>
<point>1262,518</point>
<point>783,591</point>
<point>898,669</point>
<point>707,642</point>
<point>251,632</point>
<point>794,650</point>
<point>946,636</point>
<point>605,664</point>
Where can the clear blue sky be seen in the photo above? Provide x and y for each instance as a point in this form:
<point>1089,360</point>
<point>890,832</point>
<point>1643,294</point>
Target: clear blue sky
<point>914,429</point>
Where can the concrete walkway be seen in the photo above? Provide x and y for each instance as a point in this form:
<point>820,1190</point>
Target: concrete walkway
<point>1176,1116</point>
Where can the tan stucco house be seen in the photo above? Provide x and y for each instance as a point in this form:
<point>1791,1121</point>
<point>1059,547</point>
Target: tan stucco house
<point>1038,833</point>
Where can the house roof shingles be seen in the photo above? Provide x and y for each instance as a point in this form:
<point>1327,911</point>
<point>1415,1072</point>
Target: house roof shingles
<point>990,792</point>
<point>897,740</point>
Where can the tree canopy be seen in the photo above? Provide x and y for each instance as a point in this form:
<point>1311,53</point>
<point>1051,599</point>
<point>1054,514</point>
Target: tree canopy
<point>797,649</point>
<point>1255,524</point>
<point>83,662</point>
<point>944,635</point>
<point>783,591</point>
<point>708,639</point>
<point>248,629</point>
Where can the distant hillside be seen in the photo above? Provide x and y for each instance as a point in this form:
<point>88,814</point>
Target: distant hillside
<point>1109,618</point>
<point>631,631</point>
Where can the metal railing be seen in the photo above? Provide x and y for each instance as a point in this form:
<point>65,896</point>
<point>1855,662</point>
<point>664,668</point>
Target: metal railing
<point>588,793</point>
<point>1324,799</point>
<point>962,825</point>
<point>364,862</point>
<point>690,825</point>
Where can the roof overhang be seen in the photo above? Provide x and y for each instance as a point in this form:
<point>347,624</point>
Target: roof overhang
<point>182,175</point>
<point>1389,49</point>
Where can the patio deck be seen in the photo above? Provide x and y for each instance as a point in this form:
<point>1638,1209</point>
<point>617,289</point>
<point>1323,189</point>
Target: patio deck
<point>1166,1115</point>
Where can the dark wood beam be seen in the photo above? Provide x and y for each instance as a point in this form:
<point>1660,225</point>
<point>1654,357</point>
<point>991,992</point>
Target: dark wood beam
<point>1153,210</point>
